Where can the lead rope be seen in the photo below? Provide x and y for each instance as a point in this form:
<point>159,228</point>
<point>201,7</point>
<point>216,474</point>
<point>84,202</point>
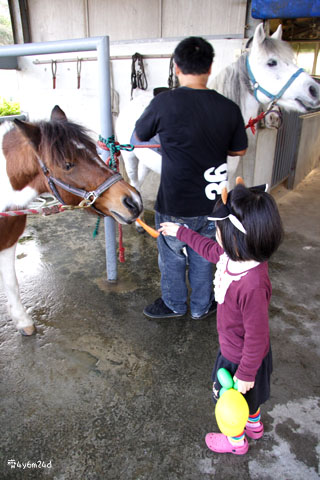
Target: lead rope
<point>113,162</point>
<point>252,121</point>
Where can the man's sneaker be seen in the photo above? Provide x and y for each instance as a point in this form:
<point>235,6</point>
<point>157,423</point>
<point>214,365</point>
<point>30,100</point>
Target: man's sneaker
<point>158,309</point>
<point>212,309</point>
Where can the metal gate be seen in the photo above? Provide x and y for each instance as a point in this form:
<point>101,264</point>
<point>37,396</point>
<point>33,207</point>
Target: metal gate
<point>286,151</point>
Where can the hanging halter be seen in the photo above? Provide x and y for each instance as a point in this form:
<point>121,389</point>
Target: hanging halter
<point>138,75</point>
<point>258,88</point>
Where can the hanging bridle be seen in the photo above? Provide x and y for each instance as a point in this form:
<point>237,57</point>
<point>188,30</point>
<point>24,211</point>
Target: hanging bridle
<point>257,87</point>
<point>88,197</point>
<point>138,75</point>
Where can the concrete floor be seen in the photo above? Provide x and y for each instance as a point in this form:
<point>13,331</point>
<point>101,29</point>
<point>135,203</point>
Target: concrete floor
<point>102,393</point>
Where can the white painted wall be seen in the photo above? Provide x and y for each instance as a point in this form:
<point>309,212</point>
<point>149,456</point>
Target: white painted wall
<point>34,86</point>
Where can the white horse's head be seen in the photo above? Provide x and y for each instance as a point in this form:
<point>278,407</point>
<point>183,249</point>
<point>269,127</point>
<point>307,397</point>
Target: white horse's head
<point>275,76</point>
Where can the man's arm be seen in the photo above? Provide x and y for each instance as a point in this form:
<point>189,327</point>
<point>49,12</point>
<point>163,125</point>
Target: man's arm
<point>240,153</point>
<point>146,126</point>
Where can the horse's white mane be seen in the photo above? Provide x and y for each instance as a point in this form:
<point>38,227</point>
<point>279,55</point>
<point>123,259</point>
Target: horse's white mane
<point>233,82</point>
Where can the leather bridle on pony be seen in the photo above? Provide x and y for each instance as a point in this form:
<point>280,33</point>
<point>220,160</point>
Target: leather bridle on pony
<point>257,87</point>
<point>88,197</point>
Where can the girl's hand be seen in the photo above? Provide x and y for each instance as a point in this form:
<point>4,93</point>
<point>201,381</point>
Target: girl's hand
<point>169,228</point>
<point>243,386</point>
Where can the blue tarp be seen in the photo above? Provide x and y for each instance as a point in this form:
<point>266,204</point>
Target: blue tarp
<point>265,9</point>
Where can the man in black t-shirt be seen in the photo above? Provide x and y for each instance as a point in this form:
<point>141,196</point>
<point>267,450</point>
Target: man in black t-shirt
<point>198,128</point>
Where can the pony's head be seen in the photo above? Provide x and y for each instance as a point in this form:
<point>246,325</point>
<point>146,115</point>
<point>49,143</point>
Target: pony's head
<point>64,152</point>
<point>274,72</point>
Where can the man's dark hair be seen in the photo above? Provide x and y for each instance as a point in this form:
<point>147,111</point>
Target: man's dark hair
<point>194,55</point>
<point>259,214</point>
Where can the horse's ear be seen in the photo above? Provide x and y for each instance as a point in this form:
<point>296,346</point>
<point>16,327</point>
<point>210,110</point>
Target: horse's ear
<point>259,35</point>
<point>57,114</point>
<point>224,195</point>
<point>278,33</point>
<point>239,181</point>
<point>30,131</point>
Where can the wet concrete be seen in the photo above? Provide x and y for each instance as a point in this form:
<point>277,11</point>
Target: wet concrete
<point>103,393</point>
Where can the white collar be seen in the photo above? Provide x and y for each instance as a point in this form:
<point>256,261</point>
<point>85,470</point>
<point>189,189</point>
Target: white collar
<point>229,271</point>
<point>236,268</point>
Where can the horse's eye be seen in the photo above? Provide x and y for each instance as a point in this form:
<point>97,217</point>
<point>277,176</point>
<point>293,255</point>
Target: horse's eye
<point>272,62</point>
<point>69,165</point>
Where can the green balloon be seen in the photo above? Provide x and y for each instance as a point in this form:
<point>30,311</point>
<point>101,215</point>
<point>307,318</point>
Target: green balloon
<point>225,379</point>
<point>222,391</point>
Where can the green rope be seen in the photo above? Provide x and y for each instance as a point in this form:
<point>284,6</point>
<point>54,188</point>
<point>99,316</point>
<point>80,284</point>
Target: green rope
<point>113,164</point>
<point>96,230</point>
<point>114,149</point>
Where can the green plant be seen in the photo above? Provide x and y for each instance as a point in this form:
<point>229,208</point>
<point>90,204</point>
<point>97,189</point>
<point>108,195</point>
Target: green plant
<point>8,107</point>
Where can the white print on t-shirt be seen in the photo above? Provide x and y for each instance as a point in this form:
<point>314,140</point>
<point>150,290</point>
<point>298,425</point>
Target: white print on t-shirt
<point>218,179</point>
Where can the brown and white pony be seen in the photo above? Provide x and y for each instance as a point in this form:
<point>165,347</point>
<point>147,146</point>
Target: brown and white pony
<point>59,153</point>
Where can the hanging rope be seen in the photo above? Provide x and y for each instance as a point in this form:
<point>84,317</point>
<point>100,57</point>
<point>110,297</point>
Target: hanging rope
<point>252,121</point>
<point>113,162</point>
<point>138,76</point>
<point>59,208</point>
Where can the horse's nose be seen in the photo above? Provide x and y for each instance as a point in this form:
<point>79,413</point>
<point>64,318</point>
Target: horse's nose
<point>132,205</point>
<point>314,91</point>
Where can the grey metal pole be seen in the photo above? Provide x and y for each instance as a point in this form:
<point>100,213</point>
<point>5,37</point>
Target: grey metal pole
<point>101,44</point>
<point>106,131</point>
<point>61,46</point>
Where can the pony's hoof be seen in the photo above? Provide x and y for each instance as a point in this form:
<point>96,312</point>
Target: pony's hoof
<point>28,331</point>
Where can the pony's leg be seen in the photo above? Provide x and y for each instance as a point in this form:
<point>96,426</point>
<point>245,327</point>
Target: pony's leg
<point>16,310</point>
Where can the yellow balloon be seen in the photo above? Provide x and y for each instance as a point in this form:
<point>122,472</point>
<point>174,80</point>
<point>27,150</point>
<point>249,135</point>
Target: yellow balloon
<point>232,413</point>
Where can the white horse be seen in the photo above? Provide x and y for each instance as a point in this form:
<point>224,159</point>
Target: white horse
<point>265,74</point>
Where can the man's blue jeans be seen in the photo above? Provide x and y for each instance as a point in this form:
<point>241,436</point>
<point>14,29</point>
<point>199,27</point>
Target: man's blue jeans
<point>173,267</point>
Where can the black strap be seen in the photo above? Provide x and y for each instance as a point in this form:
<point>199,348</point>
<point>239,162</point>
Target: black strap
<point>173,81</point>
<point>83,193</point>
<point>138,76</point>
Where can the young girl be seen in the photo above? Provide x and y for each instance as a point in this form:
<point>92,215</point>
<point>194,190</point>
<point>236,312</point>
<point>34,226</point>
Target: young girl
<point>249,231</point>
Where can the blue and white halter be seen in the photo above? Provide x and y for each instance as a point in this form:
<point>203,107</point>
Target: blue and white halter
<point>257,87</point>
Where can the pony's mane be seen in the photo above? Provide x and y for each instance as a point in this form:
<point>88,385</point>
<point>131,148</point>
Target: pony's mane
<point>63,139</point>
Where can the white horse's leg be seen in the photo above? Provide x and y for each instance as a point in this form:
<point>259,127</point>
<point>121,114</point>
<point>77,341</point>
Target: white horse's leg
<point>142,173</point>
<point>149,161</point>
<point>131,165</point>
<point>16,310</point>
